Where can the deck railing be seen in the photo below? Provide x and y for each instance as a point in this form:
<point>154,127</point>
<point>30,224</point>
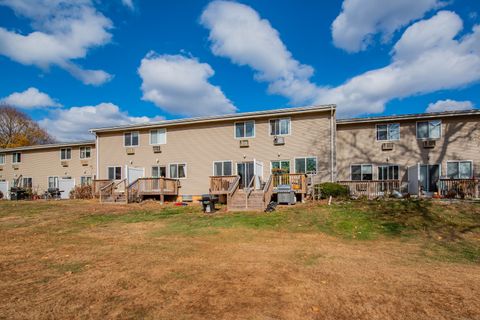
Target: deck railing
<point>98,185</point>
<point>221,184</point>
<point>460,188</point>
<point>372,188</point>
<point>298,181</point>
<point>268,191</point>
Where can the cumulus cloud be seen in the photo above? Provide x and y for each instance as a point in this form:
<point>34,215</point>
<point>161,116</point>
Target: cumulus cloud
<point>179,85</point>
<point>238,32</point>
<point>360,20</point>
<point>128,4</point>
<point>63,31</point>
<point>73,124</point>
<point>30,99</point>
<point>449,105</point>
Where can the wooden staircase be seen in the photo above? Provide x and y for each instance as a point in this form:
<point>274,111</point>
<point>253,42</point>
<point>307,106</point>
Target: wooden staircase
<point>117,197</point>
<point>249,199</point>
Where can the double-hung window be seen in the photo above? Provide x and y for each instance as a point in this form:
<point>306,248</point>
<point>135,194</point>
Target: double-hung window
<point>222,168</point>
<point>130,139</point>
<point>429,129</point>
<point>85,152</point>
<point>85,180</point>
<point>280,127</point>
<point>245,129</point>
<point>280,166</point>
<point>65,153</point>
<point>158,136</point>
<point>306,165</point>
<point>159,171</point>
<point>52,182</point>
<point>459,169</point>
<point>178,170</point>
<point>114,173</point>
<point>2,158</point>
<point>360,172</point>
<point>388,132</point>
<point>27,182</point>
<point>16,157</point>
<point>388,172</point>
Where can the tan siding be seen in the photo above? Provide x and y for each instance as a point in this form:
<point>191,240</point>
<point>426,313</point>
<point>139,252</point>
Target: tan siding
<point>198,145</point>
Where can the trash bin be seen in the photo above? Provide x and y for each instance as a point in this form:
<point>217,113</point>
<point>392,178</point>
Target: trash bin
<point>208,203</point>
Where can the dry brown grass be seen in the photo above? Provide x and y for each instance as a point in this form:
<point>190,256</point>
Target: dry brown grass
<point>59,261</point>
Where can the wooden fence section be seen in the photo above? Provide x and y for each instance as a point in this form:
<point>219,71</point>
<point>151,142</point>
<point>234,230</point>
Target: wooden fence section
<point>372,188</point>
<point>460,188</point>
<point>298,181</point>
<point>221,184</point>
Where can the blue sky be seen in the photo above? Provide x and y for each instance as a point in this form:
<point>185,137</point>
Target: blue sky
<point>73,65</point>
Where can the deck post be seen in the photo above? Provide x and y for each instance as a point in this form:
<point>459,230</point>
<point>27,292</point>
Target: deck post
<point>162,198</point>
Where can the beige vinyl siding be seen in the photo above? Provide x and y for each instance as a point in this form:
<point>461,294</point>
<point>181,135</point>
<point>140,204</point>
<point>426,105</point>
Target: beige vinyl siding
<point>39,164</point>
<point>199,145</point>
<point>460,140</point>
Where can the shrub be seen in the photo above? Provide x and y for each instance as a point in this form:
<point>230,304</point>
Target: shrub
<point>1,195</point>
<point>335,190</point>
<point>82,192</point>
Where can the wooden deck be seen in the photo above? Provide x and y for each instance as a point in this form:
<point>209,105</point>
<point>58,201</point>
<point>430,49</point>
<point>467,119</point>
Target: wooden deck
<point>221,184</point>
<point>460,188</point>
<point>371,188</point>
<point>297,181</point>
<point>152,187</point>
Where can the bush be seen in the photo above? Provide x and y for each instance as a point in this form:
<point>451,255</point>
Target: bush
<point>82,192</point>
<point>1,195</point>
<point>334,190</point>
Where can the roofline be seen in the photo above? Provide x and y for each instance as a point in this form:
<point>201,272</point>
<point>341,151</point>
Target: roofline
<point>228,117</point>
<point>411,116</point>
<point>50,146</point>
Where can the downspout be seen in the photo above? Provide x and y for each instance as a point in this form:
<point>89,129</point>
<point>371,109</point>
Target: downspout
<point>97,156</point>
<point>332,142</point>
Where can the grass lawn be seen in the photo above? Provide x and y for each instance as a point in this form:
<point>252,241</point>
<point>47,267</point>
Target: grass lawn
<point>351,260</point>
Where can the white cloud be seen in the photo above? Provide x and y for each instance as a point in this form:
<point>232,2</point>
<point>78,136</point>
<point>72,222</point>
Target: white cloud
<point>63,31</point>
<point>30,99</point>
<point>238,32</point>
<point>73,124</point>
<point>427,58</point>
<point>179,85</point>
<point>129,4</point>
<point>449,105</point>
<point>360,20</point>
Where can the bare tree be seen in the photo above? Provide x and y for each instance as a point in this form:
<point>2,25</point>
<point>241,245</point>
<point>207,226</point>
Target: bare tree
<point>17,129</point>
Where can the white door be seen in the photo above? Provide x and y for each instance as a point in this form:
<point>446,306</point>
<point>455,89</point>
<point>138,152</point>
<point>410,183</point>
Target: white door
<point>413,179</point>
<point>4,189</point>
<point>134,173</point>
<point>258,174</point>
<point>66,185</point>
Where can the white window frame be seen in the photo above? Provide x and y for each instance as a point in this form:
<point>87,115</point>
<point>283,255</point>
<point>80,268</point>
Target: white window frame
<point>55,179</point>
<point>66,152</point>
<point>177,164</point>
<point>14,159</point>
<point>223,167</point>
<point>114,172</point>
<point>428,121</point>
<point>280,135</point>
<point>306,157</point>
<point>85,148</point>
<point>458,162</point>
<point>150,137</point>
<point>23,179</point>
<point>283,160</point>
<point>244,127</point>
<point>131,132</point>
<point>86,177</point>
<point>3,159</point>
<point>388,131</point>
<point>384,165</point>
<point>361,172</point>
<point>158,166</point>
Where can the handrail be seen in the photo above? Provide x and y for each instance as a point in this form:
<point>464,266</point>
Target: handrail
<point>268,190</point>
<point>234,185</point>
<point>104,188</point>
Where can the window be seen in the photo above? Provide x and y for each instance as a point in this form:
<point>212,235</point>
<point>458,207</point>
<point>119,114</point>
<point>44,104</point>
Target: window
<point>281,166</point>
<point>459,169</point>
<point>86,181</point>
<point>245,129</point>
<point>52,182</point>
<point>159,171</point>
<point>388,132</point>
<point>279,127</point>
<point>65,153</point>
<point>429,129</point>
<point>130,139</point>
<point>2,158</point>
<point>114,173</point>
<point>222,168</point>
<point>306,165</point>
<point>158,136</point>
<point>388,172</point>
<point>16,157</point>
<point>178,170</point>
<point>85,152</point>
<point>362,172</point>
<point>27,183</point>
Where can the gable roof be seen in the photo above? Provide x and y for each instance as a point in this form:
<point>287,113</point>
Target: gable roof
<point>50,146</point>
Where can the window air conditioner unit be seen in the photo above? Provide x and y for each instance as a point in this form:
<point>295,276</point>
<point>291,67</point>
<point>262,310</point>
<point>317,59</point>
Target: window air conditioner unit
<point>64,163</point>
<point>84,162</point>
<point>278,141</point>
<point>387,146</point>
<point>15,166</point>
<point>243,143</point>
<point>429,143</point>
<point>130,151</point>
<point>157,149</point>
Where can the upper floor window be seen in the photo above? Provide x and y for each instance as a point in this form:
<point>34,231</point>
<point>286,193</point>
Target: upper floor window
<point>85,152</point>
<point>279,127</point>
<point>130,139</point>
<point>65,153</point>
<point>222,168</point>
<point>2,158</point>
<point>429,129</point>
<point>178,170</point>
<point>16,157</point>
<point>114,173</point>
<point>459,169</point>
<point>362,172</point>
<point>306,165</point>
<point>245,129</point>
<point>388,132</point>
<point>158,136</point>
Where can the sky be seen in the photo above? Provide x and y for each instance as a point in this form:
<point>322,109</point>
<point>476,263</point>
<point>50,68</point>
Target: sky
<point>80,64</point>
